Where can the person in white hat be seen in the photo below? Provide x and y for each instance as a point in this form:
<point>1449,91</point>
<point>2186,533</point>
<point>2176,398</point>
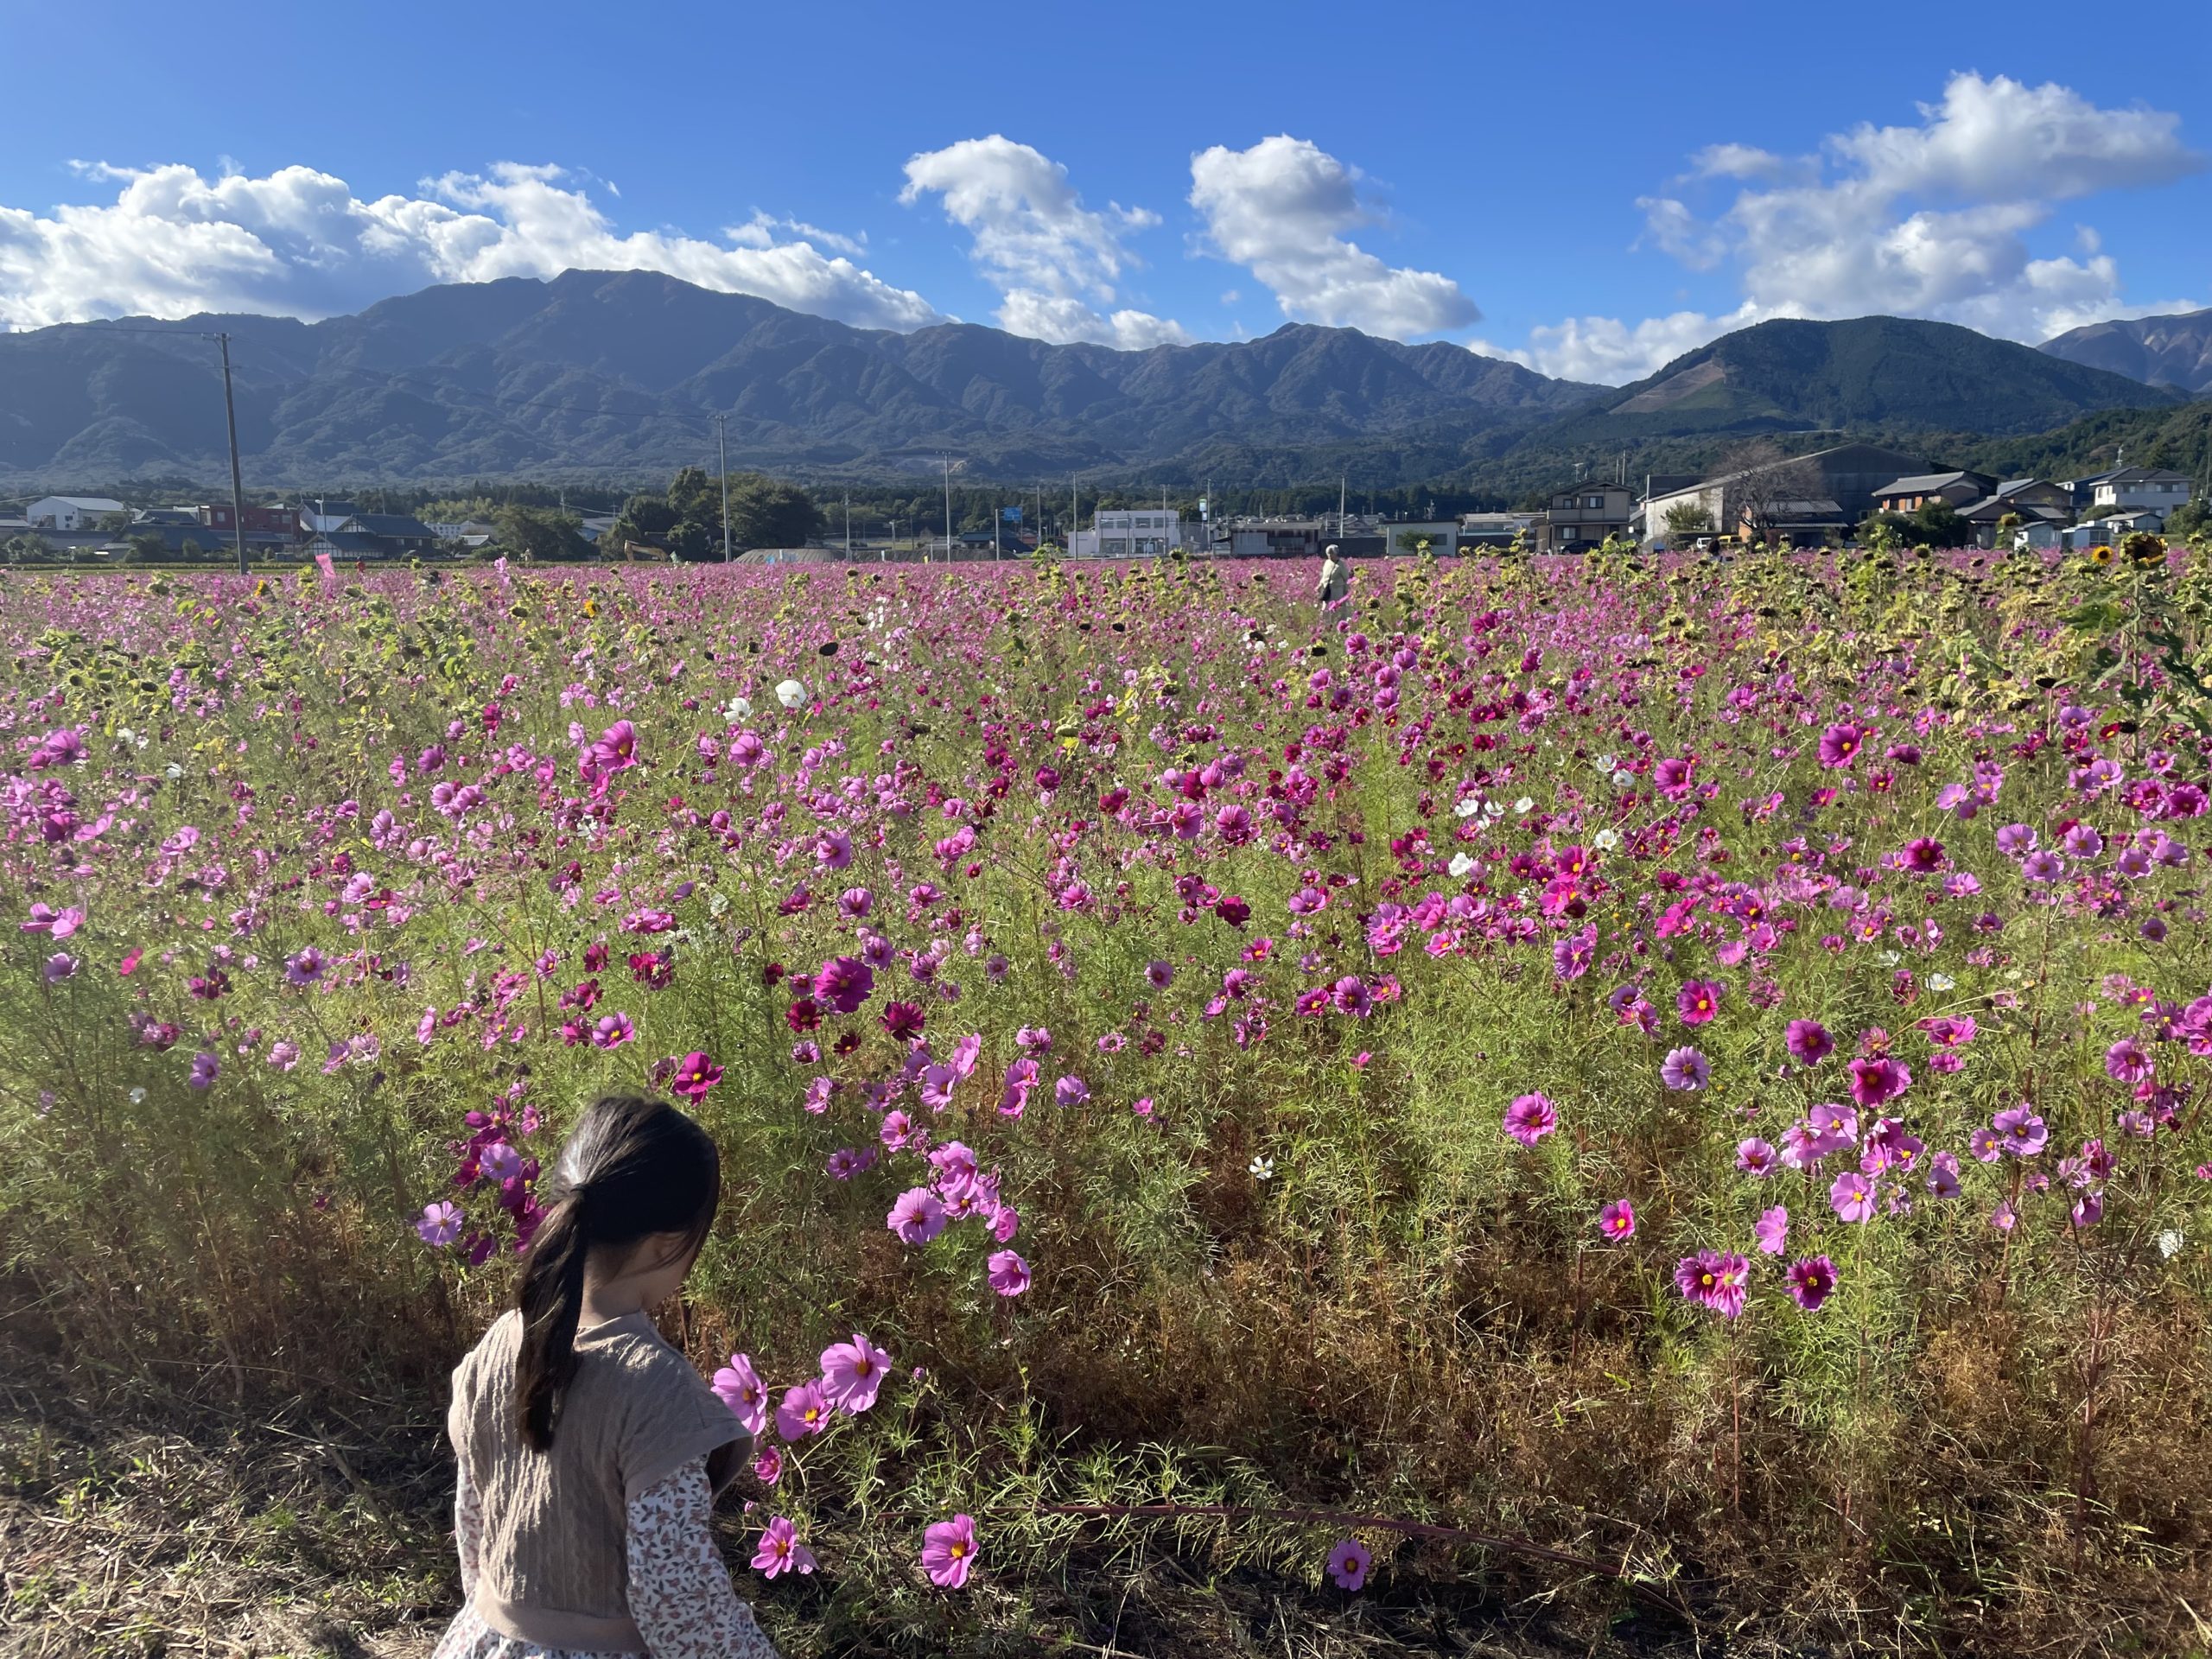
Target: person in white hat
<point>1335,580</point>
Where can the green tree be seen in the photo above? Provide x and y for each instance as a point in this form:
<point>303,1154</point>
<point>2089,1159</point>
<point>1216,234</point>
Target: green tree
<point>29,548</point>
<point>1939,524</point>
<point>1687,520</point>
<point>764,512</point>
<point>540,533</point>
<point>2191,518</point>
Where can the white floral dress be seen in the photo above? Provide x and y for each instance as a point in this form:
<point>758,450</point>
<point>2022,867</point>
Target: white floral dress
<point>680,1592</point>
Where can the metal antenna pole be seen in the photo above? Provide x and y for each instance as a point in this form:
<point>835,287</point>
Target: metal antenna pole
<point>237,489</point>
<point>721,446</point>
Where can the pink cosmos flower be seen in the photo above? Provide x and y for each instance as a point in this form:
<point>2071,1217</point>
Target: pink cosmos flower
<point>1684,1070</point>
<point>1348,1564</point>
<point>739,1387</point>
<point>1009,1274</point>
<point>917,1217</point>
<point>1851,1197</point>
<point>803,1412</point>
<point>844,982</point>
<point>949,1552</point>
<point>612,1031</point>
<point>1530,1118</point>
<point>1617,1221</point>
<point>1772,1230</point>
<point>2125,1061</point>
<point>780,1550</point>
<point>852,1373</point>
<point>1755,1157</point>
<point>440,1224</point>
<point>1812,1281</point>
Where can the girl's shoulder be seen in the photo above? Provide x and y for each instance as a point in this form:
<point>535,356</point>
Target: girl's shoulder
<point>496,1348</point>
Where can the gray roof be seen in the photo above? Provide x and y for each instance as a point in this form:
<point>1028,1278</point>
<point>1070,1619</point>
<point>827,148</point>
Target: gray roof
<point>83,503</point>
<point>2143,475</point>
<point>1922,483</point>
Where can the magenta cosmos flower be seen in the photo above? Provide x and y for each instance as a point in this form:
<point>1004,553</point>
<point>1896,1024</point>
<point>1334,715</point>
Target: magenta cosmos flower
<point>917,1217</point>
<point>844,983</point>
<point>803,1412</point>
<point>1685,1070</point>
<point>1009,1274</point>
<point>612,1031</point>
<point>1812,1281</point>
<point>1698,1002</point>
<point>1807,1041</point>
<point>2125,1061</point>
<point>1755,1157</point>
<point>1348,1564</point>
<point>695,1075</point>
<point>949,1552</point>
<point>1715,1280</point>
<point>1617,1221</point>
<point>1841,743</point>
<point>1530,1118</point>
<point>780,1550</point>
<point>738,1386</point>
<point>1875,1081</point>
<point>852,1373</point>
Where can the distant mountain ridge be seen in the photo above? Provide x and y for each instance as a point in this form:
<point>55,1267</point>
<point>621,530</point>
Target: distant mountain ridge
<point>2168,350</point>
<point>621,373</point>
<point>1891,373</point>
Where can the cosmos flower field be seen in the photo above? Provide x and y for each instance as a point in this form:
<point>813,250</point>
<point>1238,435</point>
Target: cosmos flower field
<point>1677,1088</point>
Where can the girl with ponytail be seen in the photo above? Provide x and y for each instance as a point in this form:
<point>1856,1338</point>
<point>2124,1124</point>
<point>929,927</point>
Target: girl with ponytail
<point>589,1450</point>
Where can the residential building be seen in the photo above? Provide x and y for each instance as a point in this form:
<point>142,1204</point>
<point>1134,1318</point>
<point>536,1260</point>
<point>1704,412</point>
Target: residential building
<point>1577,519</point>
<point>2033,501</point>
<point>1806,523</point>
<point>1300,538</point>
<point>165,516</point>
<point>279,521</point>
<point>1909,494</point>
<point>372,536</point>
<point>1442,536</point>
<point>2135,489</point>
<point>1494,528</point>
<point>70,512</point>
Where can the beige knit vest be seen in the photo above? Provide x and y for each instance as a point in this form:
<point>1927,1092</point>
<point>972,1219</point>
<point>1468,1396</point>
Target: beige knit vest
<point>552,1567</point>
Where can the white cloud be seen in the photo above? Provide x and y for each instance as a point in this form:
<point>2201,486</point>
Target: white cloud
<point>299,243</point>
<point>1931,220</point>
<point>1281,208</point>
<point>1055,263</point>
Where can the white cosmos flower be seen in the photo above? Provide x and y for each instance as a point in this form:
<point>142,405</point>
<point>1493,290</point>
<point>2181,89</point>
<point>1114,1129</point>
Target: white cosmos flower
<point>1624,778</point>
<point>1889,958</point>
<point>173,771</point>
<point>1940,981</point>
<point>1261,1169</point>
<point>1494,810</point>
<point>1606,840</point>
<point>2170,1242</point>
<point>791,694</point>
<point>738,708</point>
<point>1460,865</point>
<point>1604,763</point>
<point>1525,804</point>
<point>1469,805</point>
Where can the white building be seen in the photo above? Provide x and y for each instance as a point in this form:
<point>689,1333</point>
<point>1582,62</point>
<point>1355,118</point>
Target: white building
<point>2132,489</point>
<point>1442,536</point>
<point>70,512</point>
<point>1141,533</point>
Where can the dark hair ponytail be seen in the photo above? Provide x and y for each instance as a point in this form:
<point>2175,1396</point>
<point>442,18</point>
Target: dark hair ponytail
<point>634,1167</point>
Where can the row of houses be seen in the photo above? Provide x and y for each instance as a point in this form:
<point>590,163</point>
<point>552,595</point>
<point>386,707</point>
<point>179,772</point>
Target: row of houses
<point>337,528</point>
<point>1826,495</point>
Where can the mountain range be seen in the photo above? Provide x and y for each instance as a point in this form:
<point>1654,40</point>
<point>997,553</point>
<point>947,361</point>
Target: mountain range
<point>623,375</point>
<point>2170,351</point>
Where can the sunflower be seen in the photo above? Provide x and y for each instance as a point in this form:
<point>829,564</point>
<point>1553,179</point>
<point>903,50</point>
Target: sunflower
<point>2101,555</point>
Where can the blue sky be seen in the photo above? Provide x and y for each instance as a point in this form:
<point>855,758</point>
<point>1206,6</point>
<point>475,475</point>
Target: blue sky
<point>1592,189</point>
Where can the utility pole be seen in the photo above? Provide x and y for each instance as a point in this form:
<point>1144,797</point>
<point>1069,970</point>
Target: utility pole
<point>1341,481</point>
<point>722,447</point>
<point>947,509</point>
<point>1075,515</point>
<point>849,525</point>
<point>237,489</point>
